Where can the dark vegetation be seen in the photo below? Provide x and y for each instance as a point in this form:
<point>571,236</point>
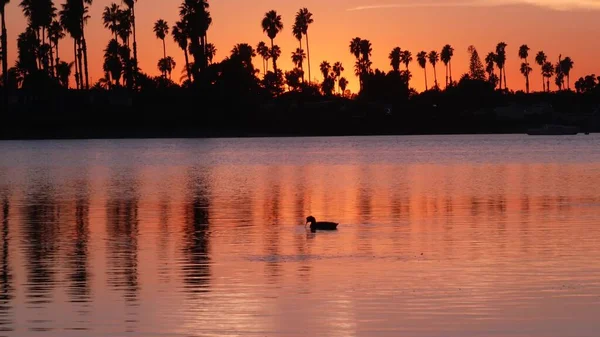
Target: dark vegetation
<point>234,97</point>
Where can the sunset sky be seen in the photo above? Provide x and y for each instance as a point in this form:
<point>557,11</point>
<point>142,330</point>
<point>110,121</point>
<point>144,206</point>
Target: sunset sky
<point>570,27</point>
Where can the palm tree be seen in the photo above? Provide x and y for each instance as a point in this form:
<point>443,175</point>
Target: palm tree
<point>525,68</point>
<point>110,18</point>
<point>395,58</point>
<point>325,67</point>
<point>70,19</point>
<point>275,53</point>
<point>566,65</point>
<point>244,52</point>
<point>501,61</point>
<point>112,61</point>
<point>131,6</point>
<point>422,60</point>
<point>446,57</point>
<point>355,47</point>
<point>303,20</point>
<point>166,65</point>
<point>263,50</point>
<point>406,58</point>
<point>83,11</point>
<point>63,72</point>
<point>541,59</point>
<point>55,34</point>
<point>298,57</point>
<point>343,83</point>
<point>3,44</point>
<point>194,13</point>
<point>180,37</point>
<point>490,64</point>
<point>434,57</point>
<point>161,30</point>
<point>338,68</point>
<point>272,25</point>
<point>547,72</point>
<point>210,51</point>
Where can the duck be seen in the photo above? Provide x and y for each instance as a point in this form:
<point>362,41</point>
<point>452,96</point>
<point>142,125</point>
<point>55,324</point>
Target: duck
<point>320,225</point>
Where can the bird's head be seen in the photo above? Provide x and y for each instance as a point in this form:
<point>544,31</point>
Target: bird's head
<point>310,219</point>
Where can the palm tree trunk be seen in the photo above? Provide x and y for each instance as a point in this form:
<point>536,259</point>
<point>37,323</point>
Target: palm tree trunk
<point>568,82</point>
<point>450,67</point>
<point>500,79</point>
<point>81,66</point>
<point>504,71</point>
<point>85,58</point>
<point>273,57</point>
<point>426,86</point>
<point>76,65</point>
<point>446,76</point>
<point>435,78</point>
<point>527,82</point>
<point>135,59</point>
<point>264,61</point>
<point>543,84</point>
<point>57,58</point>
<point>164,49</point>
<point>308,56</point>
<point>52,62</point>
<point>548,84</point>
<point>4,47</point>
<point>187,65</point>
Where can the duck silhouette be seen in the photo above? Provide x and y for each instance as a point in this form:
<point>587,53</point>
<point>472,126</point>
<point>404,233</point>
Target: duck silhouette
<point>320,225</point>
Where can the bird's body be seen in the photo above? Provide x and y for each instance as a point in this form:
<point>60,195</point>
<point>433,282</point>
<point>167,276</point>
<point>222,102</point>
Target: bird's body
<point>320,225</point>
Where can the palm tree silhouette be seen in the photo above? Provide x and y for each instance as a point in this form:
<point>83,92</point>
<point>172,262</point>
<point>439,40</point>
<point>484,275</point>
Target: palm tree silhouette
<point>501,61</point>
<point>263,50</point>
<point>55,34</point>
<point>355,47</point>
<point>395,58</point>
<point>337,69</point>
<point>547,72</point>
<point>131,6</point>
<point>82,9</point>
<point>70,19</point>
<point>343,83</point>
<point>406,58</point>
<point>211,51</point>
<point>298,57</point>
<point>490,64</point>
<point>63,72</point>
<point>166,65</point>
<point>422,60</point>
<point>275,53</point>
<point>112,62</point>
<point>181,38</point>
<point>541,59</point>
<point>272,25</point>
<point>434,57</point>
<point>303,20</point>
<point>446,57</point>
<point>161,30</point>
<point>110,17</point>
<point>566,65</point>
<point>244,52</point>
<point>525,68</point>
<point>3,44</point>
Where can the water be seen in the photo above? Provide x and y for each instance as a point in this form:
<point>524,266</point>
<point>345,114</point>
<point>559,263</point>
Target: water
<point>439,236</point>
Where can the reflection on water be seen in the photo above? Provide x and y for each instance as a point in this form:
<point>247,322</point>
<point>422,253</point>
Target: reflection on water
<point>439,236</point>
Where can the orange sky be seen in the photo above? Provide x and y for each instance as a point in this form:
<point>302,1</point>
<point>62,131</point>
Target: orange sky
<point>569,27</point>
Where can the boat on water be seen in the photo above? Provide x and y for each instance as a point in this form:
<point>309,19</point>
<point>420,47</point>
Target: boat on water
<point>553,130</point>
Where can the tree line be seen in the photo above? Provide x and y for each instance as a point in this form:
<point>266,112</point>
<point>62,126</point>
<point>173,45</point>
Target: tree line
<point>38,60</point>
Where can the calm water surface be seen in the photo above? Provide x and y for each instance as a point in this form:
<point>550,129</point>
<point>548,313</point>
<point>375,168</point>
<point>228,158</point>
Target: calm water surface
<point>439,236</point>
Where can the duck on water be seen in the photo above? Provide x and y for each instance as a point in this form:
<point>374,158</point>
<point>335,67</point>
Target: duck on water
<point>320,225</point>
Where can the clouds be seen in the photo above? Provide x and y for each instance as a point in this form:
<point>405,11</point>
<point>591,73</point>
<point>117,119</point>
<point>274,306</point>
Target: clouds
<point>562,5</point>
